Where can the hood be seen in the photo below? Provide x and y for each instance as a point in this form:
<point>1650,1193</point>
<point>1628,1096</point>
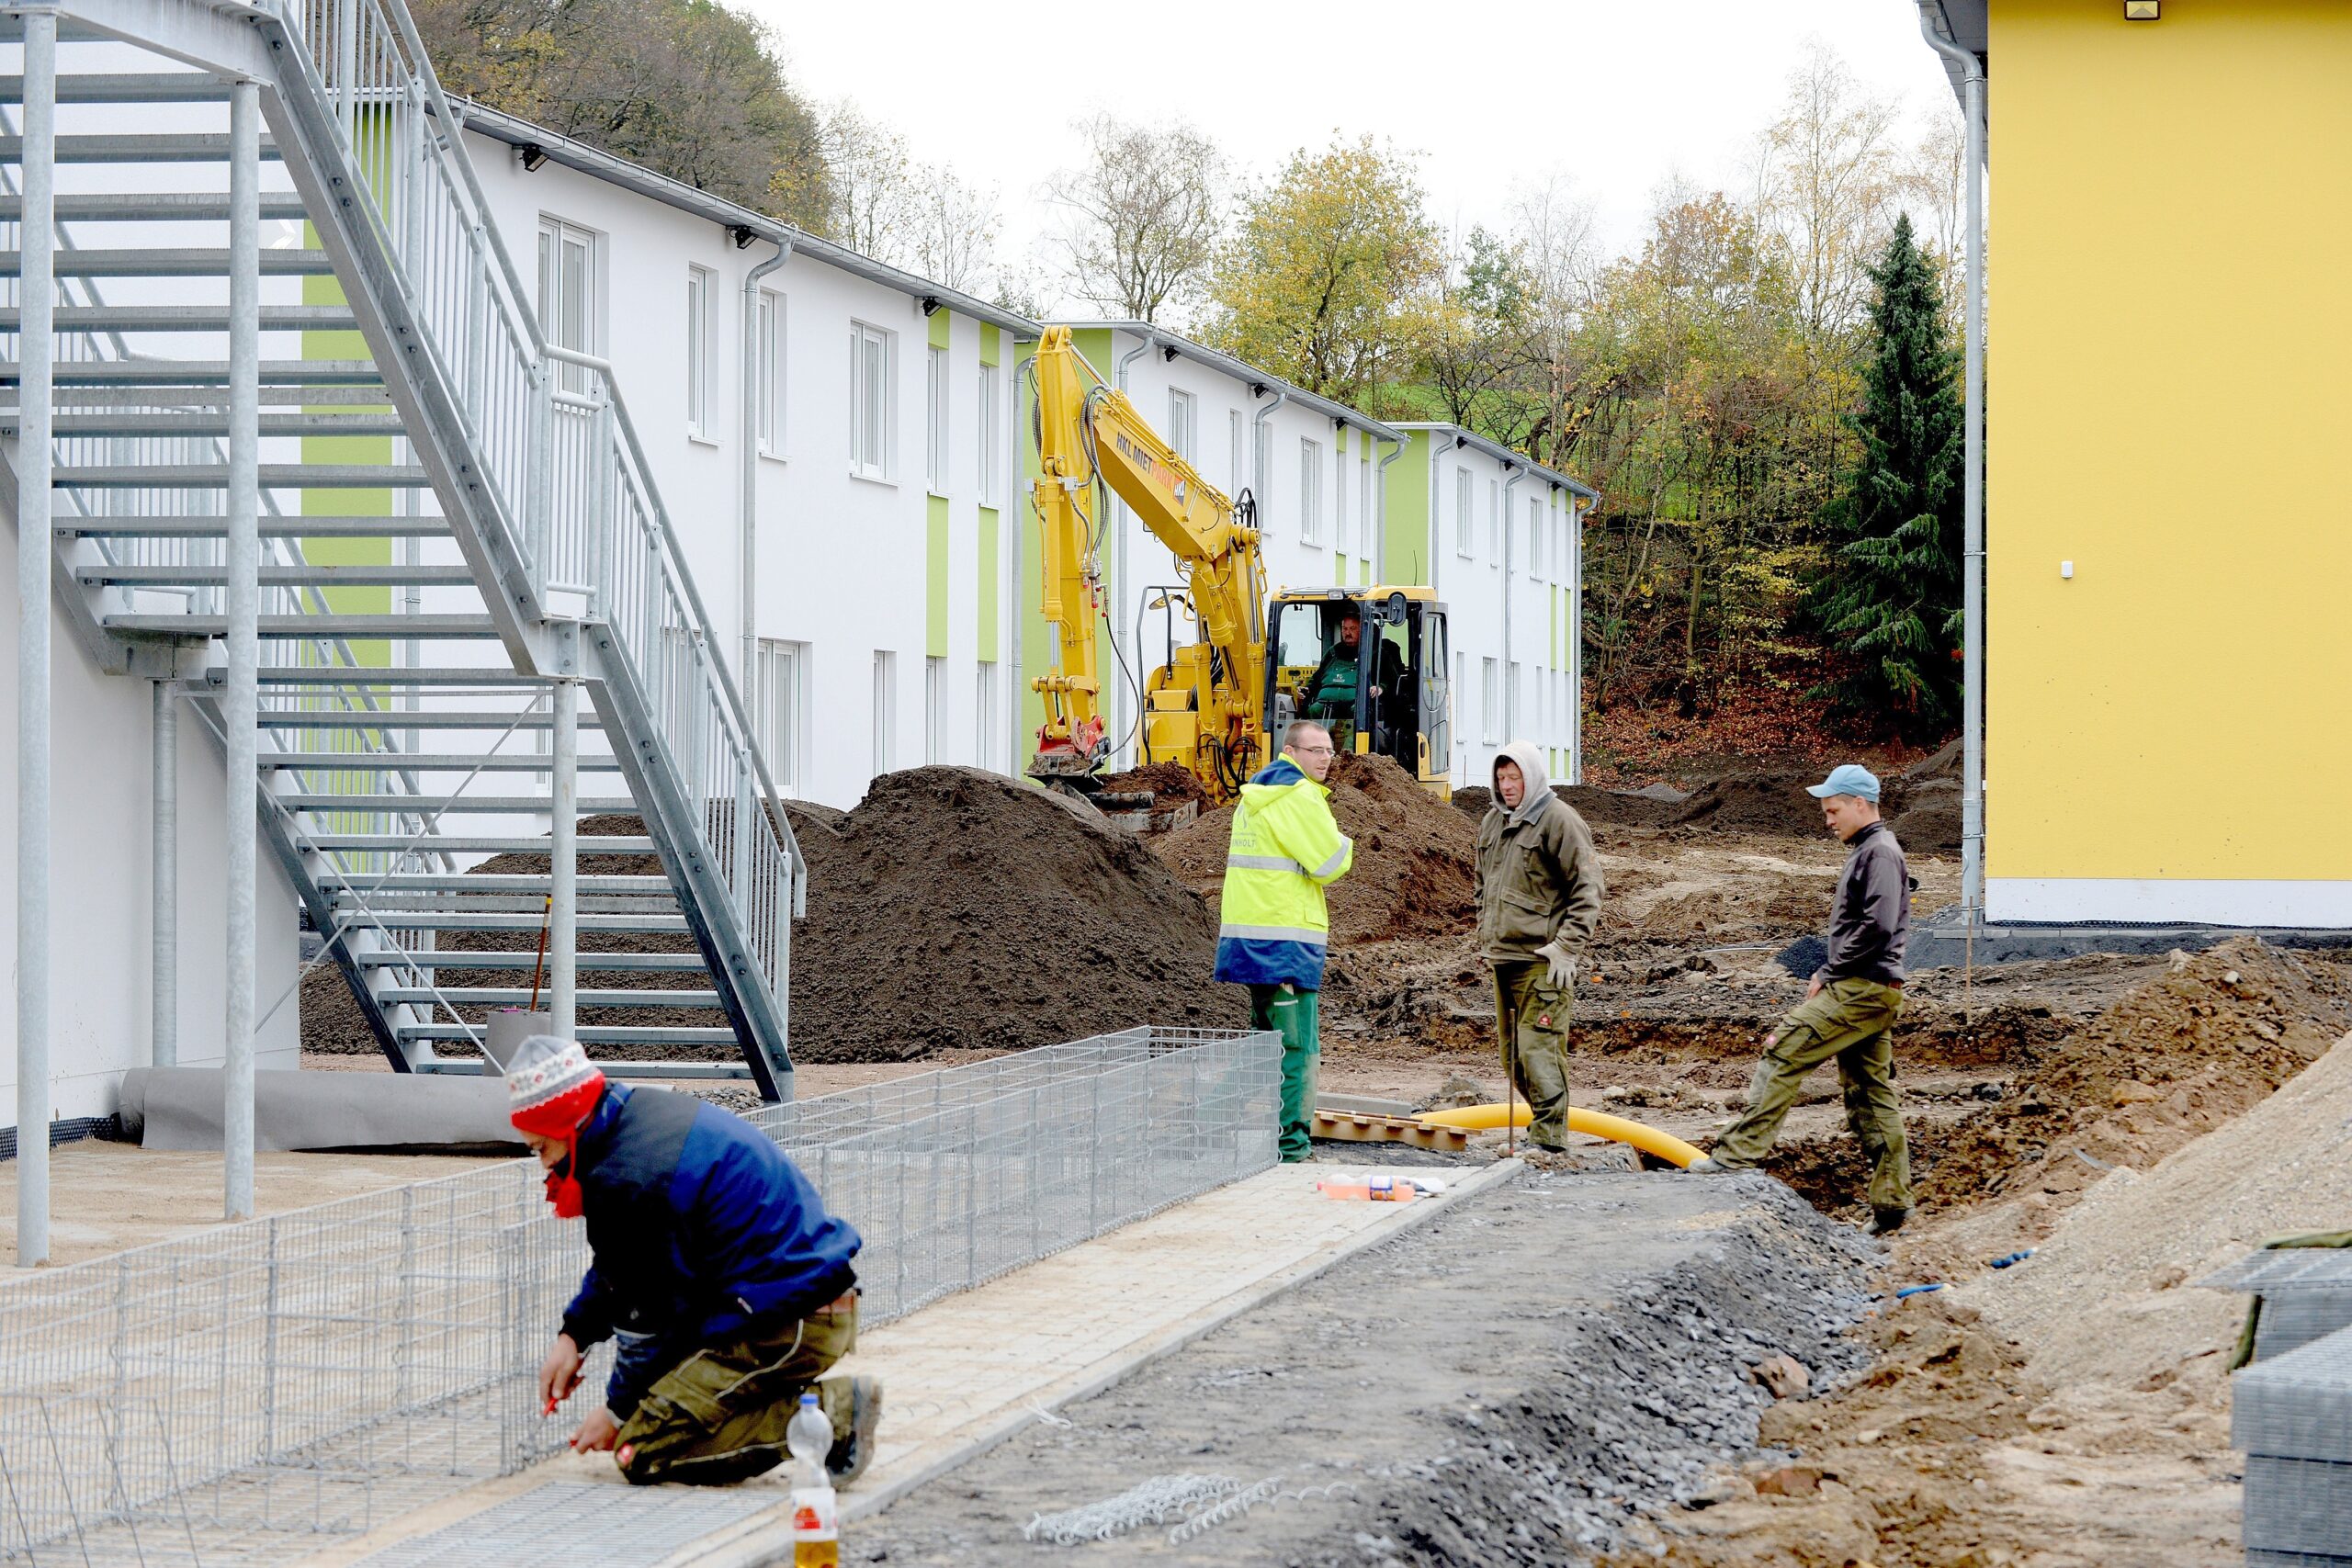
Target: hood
<point>1531,768</point>
<point>1275,776</point>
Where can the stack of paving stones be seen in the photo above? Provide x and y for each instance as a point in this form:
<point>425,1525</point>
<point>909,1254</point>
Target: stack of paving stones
<point>2291,1410</point>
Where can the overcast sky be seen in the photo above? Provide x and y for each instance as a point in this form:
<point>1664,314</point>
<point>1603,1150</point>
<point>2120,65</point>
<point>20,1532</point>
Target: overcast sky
<point>1620,94</point>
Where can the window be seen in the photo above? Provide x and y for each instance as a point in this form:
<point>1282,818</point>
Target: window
<point>1534,537</point>
<point>872,368</point>
<point>1233,479</point>
<point>1365,544</point>
<point>1494,522</point>
<point>1342,540</point>
<point>984,731</point>
<point>698,351</point>
<point>1490,699</point>
<point>1462,543</point>
<point>771,336</point>
<point>782,704</point>
<point>1459,690</point>
<point>992,439</point>
<point>885,712</point>
<point>1182,419</point>
<point>935,421</point>
<point>1310,491</point>
<point>1513,705</point>
<point>568,293</point>
<point>934,710</point>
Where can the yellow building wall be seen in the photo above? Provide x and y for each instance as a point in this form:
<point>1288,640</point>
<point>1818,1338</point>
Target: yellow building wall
<point>2170,350</point>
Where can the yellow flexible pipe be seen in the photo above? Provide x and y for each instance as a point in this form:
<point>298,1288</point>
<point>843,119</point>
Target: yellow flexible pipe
<point>1592,1123</point>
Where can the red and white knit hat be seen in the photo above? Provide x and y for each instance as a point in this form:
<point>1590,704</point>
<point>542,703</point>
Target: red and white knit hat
<point>551,1086</point>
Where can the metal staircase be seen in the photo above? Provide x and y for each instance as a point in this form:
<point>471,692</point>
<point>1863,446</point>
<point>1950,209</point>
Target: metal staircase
<point>458,523</point>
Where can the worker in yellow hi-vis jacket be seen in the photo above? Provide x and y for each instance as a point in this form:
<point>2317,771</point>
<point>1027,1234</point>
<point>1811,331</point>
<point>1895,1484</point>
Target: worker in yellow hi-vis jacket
<point>1274,929</point>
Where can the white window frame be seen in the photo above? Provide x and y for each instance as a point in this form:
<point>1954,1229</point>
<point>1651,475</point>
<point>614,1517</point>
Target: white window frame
<point>989,421</point>
<point>1183,424</point>
<point>771,338</point>
<point>571,319</point>
<point>1490,700</point>
<point>984,726</point>
<point>784,712</point>
<point>1494,524</point>
<point>1457,696</point>
<point>937,465</point>
<point>1514,694</point>
<point>1364,542</point>
<point>872,427</point>
<point>1537,559</point>
<point>1343,536</point>
<point>698,355</point>
<point>1234,471</point>
<point>935,709</point>
<point>885,712</point>
<point>1465,536</point>
<point>1310,490</point>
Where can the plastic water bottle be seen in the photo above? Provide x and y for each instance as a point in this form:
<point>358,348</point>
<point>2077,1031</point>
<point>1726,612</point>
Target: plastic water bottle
<point>816,1517</point>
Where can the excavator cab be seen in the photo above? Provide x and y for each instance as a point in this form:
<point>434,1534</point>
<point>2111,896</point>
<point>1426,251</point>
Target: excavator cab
<point>1370,664</point>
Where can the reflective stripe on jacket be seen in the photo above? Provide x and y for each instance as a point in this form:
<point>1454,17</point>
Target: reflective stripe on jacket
<point>1273,927</point>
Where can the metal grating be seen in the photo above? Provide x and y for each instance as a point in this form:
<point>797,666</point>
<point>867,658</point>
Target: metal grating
<point>553,1526</point>
<point>2285,1268</point>
<point>2298,1504</point>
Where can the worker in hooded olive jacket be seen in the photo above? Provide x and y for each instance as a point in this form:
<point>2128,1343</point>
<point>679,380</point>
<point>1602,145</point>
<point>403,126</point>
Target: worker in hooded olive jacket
<point>1274,929</point>
<point>1539,898</point>
<point>715,1270</point>
<point>1849,1008</point>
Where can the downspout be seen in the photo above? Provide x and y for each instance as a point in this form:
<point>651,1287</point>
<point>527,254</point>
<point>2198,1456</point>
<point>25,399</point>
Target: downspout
<point>1380,507</point>
<point>1513,473</point>
<point>1972,729</point>
<point>1579,506</point>
<point>1119,569</point>
<point>748,553</point>
<point>1260,458</point>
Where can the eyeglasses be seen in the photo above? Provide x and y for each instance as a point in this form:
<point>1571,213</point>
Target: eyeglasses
<point>1312,750</point>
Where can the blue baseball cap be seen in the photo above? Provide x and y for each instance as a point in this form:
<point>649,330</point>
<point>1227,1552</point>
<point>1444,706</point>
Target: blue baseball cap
<point>1846,778</point>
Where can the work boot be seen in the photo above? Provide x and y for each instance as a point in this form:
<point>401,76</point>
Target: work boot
<point>852,1453</point>
<point>1885,1221</point>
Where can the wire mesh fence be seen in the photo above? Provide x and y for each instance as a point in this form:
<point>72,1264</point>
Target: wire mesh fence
<point>234,1396</point>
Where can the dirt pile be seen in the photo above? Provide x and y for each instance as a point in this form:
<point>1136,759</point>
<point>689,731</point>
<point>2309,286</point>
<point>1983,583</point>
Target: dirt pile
<point>1169,784</point>
<point>2173,1058</point>
<point>1414,860</point>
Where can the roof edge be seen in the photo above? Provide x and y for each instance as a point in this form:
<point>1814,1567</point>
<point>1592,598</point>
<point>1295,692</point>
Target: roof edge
<point>1242,370</point>
<point>1496,449</point>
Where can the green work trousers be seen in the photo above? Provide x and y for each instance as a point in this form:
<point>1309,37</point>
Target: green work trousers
<point>1291,1013</point>
<point>1532,1030</point>
<point>1852,1020</point>
<point>718,1416</point>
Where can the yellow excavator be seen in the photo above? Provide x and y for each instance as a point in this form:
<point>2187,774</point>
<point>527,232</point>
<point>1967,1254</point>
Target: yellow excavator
<point>1369,662</point>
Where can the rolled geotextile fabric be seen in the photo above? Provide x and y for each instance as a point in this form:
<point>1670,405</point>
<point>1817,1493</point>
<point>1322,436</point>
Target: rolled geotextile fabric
<point>179,1108</point>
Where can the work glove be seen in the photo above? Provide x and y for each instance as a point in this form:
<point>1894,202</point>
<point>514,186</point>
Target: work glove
<point>1560,968</point>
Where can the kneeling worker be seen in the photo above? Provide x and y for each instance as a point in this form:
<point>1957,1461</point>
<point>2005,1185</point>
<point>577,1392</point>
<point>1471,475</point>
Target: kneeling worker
<point>1539,897</point>
<point>1849,1008</point>
<point>1274,928</point>
<point>726,1284</point>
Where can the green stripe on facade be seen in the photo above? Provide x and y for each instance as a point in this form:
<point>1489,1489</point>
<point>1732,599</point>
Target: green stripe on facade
<point>989,598</point>
<point>941,322</point>
<point>990,341</point>
<point>353,449</point>
<point>935,580</point>
<point>1405,541</point>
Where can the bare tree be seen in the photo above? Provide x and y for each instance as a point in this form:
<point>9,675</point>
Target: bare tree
<point>1934,186</point>
<point>1828,173</point>
<point>955,230</point>
<point>1141,216</point>
<point>877,194</point>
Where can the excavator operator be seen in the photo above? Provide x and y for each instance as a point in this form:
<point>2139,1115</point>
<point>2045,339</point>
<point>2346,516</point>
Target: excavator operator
<point>1329,695</point>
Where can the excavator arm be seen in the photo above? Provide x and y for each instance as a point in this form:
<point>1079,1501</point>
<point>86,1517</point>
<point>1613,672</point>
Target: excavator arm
<point>1205,708</point>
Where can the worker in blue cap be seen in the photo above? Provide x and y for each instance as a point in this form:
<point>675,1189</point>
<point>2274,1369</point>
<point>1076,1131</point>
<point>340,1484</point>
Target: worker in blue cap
<point>1850,1006</point>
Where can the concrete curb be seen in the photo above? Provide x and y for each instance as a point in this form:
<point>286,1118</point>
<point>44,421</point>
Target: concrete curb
<point>767,1540</point>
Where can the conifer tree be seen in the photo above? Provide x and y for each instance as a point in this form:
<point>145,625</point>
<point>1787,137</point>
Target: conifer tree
<point>1892,597</point>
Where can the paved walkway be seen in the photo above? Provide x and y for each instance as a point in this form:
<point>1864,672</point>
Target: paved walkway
<point>970,1371</point>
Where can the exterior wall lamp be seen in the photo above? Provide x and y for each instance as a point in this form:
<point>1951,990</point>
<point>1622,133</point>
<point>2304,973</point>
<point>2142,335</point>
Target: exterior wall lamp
<point>2142,10</point>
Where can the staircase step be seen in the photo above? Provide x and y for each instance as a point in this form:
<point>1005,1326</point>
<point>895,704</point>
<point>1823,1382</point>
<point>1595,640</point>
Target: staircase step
<point>69,422</point>
<point>139,147</point>
<point>414,805</point>
<point>430,762</point>
<point>215,476</point>
<point>154,206</point>
<point>599,962</point>
<point>280,576</point>
<point>375,681</point>
<point>425,719</point>
<point>534,885</point>
<point>656,1071</point>
<point>203,373</point>
<point>141,87</point>
<point>83,397</point>
<point>271,528</point>
<point>520,995</point>
<point>520,921</point>
<point>169,261</point>
<point>610,1035</point>
<point>187,318</point>
<point>435,627</point>
<point>471,844</point>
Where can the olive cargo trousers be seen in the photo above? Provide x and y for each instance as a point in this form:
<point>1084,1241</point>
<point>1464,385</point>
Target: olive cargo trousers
<point>1532,1032</point>
<point>718,1416</point>
<point>1852,1020</point>
<point>1293,1013</point>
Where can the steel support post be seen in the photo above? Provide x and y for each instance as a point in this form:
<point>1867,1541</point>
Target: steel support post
<point>163,925</point>
<point>1972,798</point>
<point>563,845</point>
<point>241,702</point>
<point>36,299</point>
